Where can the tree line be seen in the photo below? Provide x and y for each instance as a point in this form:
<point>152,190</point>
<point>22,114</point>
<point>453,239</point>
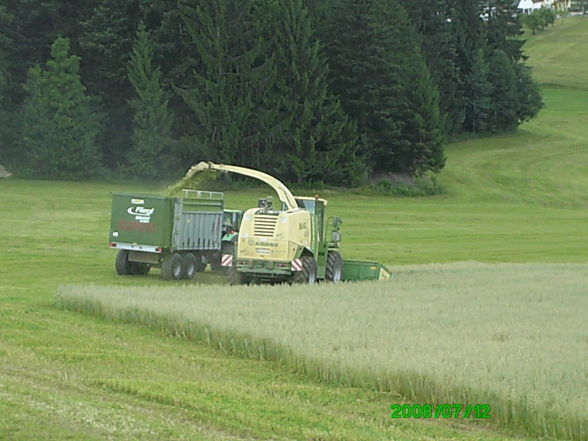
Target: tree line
<point>313,91</point>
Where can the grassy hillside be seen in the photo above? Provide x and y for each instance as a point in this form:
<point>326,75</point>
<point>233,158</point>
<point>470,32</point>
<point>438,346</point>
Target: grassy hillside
<point>511,198</point>
<point>559,55</point>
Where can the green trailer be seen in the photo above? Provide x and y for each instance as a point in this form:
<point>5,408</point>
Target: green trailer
<point>180,235</point>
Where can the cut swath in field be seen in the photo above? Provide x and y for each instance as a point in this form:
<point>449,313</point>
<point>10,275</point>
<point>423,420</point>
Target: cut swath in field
<point>512,335</point>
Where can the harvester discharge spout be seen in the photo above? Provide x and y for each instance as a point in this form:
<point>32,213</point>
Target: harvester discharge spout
<point>282,191</point>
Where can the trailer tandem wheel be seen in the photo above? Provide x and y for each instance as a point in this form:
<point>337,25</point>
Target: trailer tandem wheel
<point>189,266</point>
<point>171,266</point>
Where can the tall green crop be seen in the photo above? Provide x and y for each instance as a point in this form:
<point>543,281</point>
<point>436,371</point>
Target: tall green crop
<point>511,335</point>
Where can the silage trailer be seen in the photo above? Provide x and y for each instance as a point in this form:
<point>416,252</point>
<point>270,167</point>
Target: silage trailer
<point>179,234</point>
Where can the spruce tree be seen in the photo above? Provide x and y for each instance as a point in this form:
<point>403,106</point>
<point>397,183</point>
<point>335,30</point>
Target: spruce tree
<point>106,41</point>
<point>151,155</point>
<point>503,27</point>
<point>502,78</point>
<point>5,117</point>
<point>438,22</point>
<point>317,142</point>
<point>515,96</point>
<point>479,93</point>
<point>529,100</point>
<point>58,123</point>
<point>379,72</point>
<point>230,93</point>
<point>33,29</point>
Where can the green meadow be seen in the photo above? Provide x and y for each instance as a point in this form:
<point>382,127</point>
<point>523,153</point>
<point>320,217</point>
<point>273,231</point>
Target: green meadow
<point>511,198</point>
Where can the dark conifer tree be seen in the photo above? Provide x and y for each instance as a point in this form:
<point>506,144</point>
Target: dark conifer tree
<point>316,141</point>
<point>502,30</point>
<point>5,115</point>
<point>503,27</point>
<point>59,125</point>
<point>106,43</point>
<point>502,78</point>
<point>34,27</point>
<point>529,101</point>
<point>151,154</point>
<point>479,95</point>
<point>230,98</point>
<point>379,72</point>
<point>438,23</point>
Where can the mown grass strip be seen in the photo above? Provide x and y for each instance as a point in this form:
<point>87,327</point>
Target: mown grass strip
<point>508,335</point>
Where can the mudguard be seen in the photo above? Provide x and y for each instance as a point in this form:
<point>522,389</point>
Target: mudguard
<point>230,237</point>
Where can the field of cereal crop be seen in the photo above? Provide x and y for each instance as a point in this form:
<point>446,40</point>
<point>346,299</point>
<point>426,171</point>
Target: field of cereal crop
<point>516,203</point>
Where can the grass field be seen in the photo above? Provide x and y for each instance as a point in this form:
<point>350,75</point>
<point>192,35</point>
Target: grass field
<point>508,335</point>
<point>511,198</point>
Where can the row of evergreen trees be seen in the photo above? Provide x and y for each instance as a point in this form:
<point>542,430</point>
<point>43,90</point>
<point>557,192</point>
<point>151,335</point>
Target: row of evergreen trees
<point>310,90</point>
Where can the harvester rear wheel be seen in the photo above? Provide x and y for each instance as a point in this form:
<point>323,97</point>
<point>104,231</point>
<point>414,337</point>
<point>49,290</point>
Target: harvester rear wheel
<point>171,266</point>
<point>334,270</point>
<point>308,273</point>
<point>122,264</point>
<point>189,266</point>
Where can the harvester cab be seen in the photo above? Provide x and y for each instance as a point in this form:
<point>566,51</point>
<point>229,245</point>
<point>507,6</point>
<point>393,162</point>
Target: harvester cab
<point>266,204</point>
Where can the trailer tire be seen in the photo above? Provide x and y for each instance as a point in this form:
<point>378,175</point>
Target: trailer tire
<point>171,266</point>
<point>308,273</point>
<point>189,266</point>
<point>334,270</point>
<point>201,262</point>
<point>122,264</point>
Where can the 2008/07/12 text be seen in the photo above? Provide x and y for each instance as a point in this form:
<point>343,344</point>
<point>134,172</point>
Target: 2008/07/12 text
<point>456,410</point>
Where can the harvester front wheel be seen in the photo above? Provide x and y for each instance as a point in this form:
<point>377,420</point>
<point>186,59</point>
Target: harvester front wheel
<point>236,277</point>
<point>171,266</point>
<point>189,266</point>
<point>334,270</point>
<point>308,272</point>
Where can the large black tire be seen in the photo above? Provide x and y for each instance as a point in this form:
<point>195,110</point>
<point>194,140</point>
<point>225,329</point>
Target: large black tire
<point>122,264</point>
<point>308,273</point>
<point>334,270</point>
<point>200,262</point>
<point>171,266</point>
<point>235,277</point>
<point>189,266</point>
